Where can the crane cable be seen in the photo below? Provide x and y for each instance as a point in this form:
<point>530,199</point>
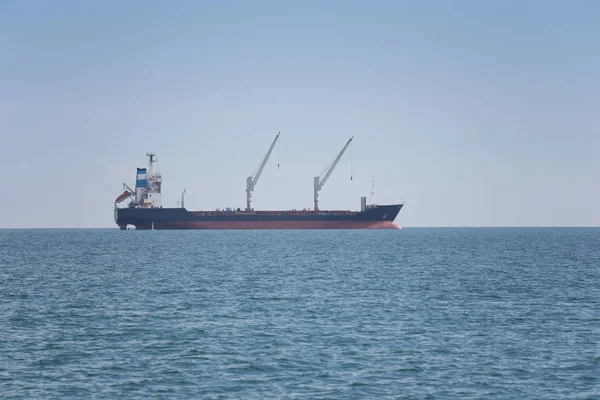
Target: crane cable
<point>351,169</point>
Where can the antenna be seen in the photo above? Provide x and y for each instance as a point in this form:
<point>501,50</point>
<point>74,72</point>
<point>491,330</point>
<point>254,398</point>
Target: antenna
<point>373,190</point>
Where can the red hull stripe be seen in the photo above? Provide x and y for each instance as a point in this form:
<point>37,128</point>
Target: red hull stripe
<point>274,225</point>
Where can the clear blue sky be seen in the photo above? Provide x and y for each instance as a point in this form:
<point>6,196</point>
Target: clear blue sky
<point>476,113</point>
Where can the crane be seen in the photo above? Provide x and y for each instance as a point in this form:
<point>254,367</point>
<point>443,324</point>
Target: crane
<point>252,180</point>
<point>320,182</point>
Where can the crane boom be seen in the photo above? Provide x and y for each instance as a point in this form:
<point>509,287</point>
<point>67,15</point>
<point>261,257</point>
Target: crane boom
<point>319,183</point>
<point>251,181</point>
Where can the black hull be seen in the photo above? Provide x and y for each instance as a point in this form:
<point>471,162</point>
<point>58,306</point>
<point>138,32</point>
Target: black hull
<point>376,217</point>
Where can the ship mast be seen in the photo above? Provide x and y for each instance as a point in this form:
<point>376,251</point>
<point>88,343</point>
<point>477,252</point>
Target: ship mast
<point>320,182</point>
<point>182,201</point>
<point>151,160</point>
<point>251,181</point>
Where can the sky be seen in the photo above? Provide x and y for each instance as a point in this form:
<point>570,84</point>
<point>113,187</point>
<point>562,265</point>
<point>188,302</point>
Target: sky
<point>473,113</point>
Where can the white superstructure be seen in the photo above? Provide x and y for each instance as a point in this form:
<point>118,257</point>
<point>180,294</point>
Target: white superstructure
<point>148,185</point>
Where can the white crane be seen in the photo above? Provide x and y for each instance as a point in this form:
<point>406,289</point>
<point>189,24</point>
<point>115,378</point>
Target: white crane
<point>252,180</point>
<point>320,182</point>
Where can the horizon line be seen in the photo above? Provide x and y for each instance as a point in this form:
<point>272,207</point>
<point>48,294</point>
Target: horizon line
<point>402,227</point>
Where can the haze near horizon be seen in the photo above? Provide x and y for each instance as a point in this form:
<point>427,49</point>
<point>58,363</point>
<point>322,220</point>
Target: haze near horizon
<point>473,113</point>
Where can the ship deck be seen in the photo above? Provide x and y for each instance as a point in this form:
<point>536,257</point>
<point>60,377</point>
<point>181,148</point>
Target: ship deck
<point>273,213</point>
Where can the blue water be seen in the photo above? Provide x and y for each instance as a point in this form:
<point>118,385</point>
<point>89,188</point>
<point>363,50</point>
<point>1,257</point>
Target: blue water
<point>416,313</point>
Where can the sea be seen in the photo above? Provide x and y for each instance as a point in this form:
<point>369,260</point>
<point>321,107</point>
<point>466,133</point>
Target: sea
<point>417,313</point>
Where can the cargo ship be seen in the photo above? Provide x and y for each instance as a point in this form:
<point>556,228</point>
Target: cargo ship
<point>145,211</point>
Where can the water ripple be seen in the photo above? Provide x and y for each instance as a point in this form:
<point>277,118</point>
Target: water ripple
<point>417,313</point>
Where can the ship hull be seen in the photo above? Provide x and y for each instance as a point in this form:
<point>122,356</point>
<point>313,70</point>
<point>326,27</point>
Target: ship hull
<point>377,217</point>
